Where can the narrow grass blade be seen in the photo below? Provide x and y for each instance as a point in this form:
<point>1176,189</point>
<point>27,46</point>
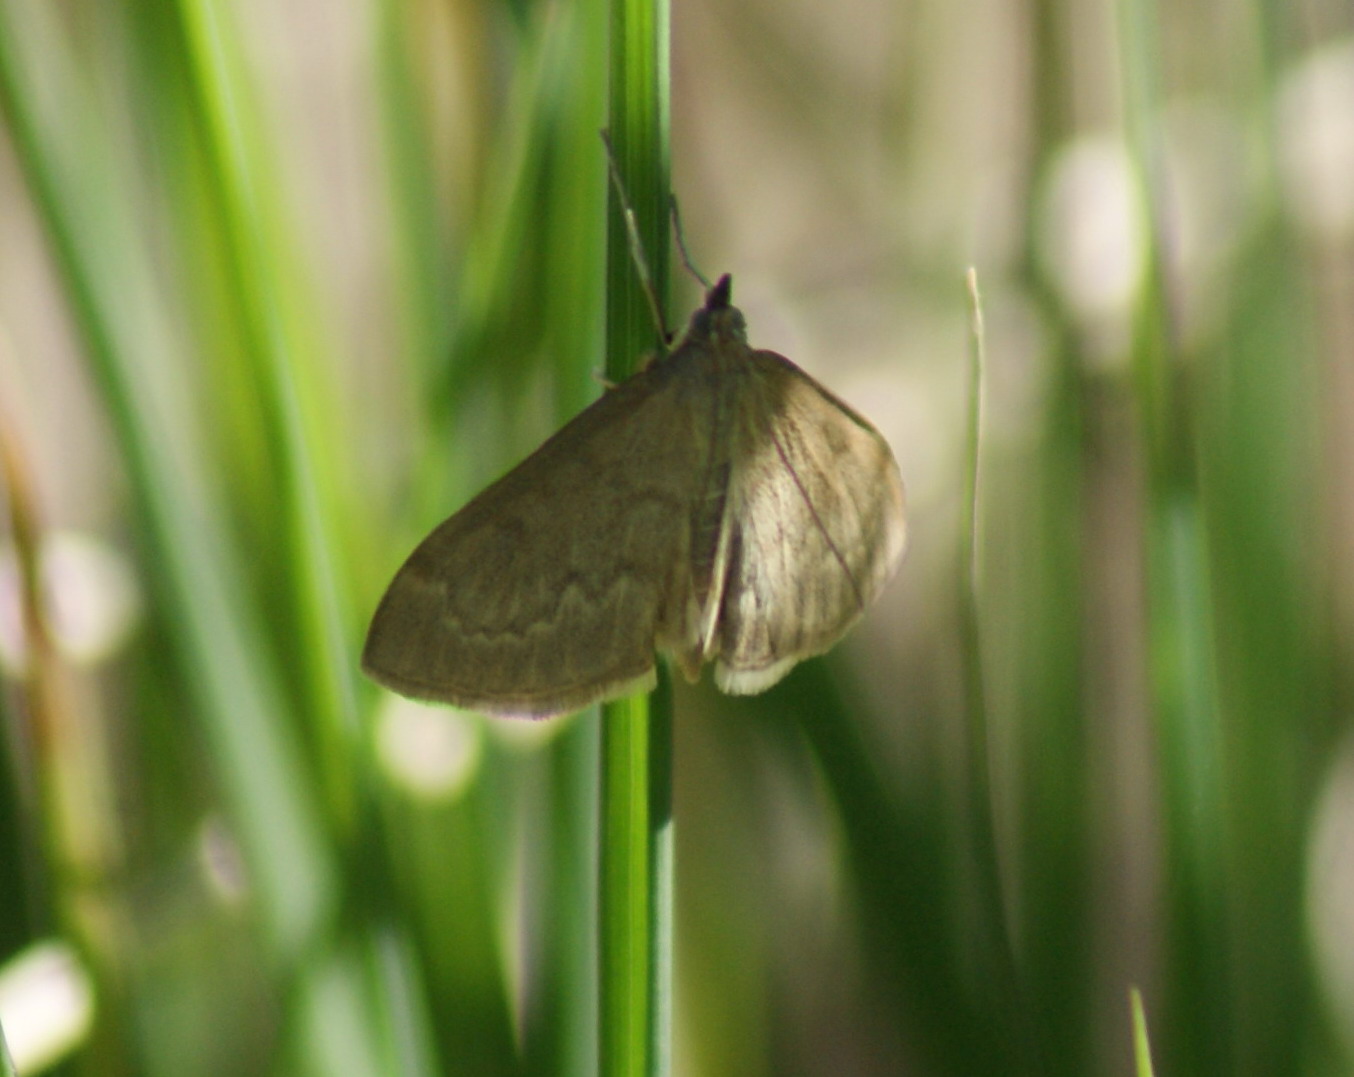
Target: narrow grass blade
<point>636,832</point>
<point>1142,1045</point>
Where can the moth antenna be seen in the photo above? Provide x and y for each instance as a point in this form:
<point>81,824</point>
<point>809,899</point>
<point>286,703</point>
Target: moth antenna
<point>681,244</point>
<point>636,244</point>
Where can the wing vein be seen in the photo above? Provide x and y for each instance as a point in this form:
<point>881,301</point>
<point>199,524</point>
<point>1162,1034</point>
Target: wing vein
<point>817,520</point>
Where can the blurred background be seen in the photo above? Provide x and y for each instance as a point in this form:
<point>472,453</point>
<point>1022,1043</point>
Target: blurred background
<point>282,285</point>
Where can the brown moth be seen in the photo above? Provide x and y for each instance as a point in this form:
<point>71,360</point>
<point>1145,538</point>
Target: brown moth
<point>720,505</point>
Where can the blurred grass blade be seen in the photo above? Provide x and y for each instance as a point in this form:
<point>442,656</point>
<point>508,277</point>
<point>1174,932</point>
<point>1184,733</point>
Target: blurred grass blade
<point>294,385</point>
<point>1181,658</point>
<point>83,193</point>
<point>1007,991</point>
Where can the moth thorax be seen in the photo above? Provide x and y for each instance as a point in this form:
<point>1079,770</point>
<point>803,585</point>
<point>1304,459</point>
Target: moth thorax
<point>718,325</point>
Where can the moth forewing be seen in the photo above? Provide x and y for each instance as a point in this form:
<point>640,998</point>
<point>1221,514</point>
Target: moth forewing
<point>543,594</point>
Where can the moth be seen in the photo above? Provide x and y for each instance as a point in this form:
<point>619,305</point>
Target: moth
<point>720,506</point>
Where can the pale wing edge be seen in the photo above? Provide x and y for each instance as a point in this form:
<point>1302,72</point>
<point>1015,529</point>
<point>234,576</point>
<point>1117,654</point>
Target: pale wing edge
<point>558,701</point>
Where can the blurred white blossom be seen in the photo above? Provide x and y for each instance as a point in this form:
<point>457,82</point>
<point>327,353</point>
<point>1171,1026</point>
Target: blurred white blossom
<point>90,597</point>
<point>431,752</point>
<point>1314,118</point>
<point>46,1004</point>
<point>1330,890</point>
<point>1091,237</point>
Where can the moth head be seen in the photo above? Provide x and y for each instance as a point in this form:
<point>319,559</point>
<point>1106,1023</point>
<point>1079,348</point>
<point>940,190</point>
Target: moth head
<point>719,321</point>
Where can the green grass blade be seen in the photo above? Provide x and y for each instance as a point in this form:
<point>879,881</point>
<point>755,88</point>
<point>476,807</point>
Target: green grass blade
<point>1142,1044</point>
<point>636,832</point>
<point>634,906</point>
